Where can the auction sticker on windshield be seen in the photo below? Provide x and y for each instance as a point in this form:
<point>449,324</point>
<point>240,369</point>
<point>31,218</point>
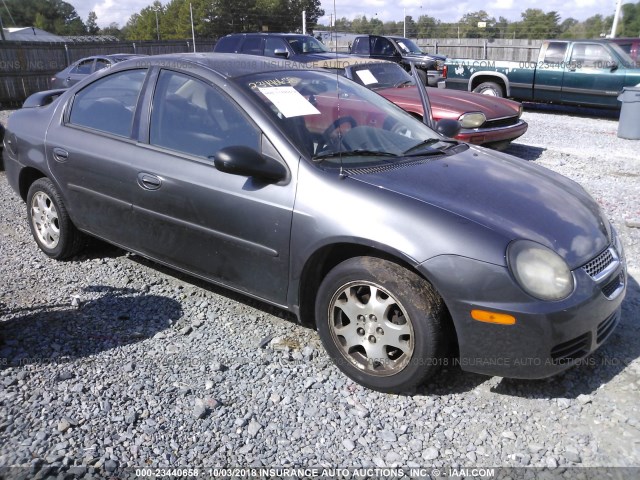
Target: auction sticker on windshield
<point>289,101</point>
<point>366,76</point>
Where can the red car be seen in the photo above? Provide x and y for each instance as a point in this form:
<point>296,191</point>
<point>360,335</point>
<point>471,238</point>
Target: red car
<point>485,120</point>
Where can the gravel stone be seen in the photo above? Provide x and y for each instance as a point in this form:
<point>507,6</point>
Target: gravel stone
<point>253,428</point>
<point>430,453</point>
<point>348,444</point>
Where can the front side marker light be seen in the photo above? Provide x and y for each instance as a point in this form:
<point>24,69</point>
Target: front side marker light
<point>493,317</point>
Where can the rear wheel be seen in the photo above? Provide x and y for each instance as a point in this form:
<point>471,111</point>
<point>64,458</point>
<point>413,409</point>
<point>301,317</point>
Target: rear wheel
<point>423,76</point>
<point>50,224</point>
<point>489,88</point>
<point>382,324</point>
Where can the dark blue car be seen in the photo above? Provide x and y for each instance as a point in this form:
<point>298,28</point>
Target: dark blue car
<point>291,46</point>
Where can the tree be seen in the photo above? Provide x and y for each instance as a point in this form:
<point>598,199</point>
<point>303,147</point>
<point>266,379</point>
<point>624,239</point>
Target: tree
<point>538,24</point>
<point>143,25</point>
<point>470,25</point>
<point>92,25</point>
<point>630,24</point>
<point>55,16</point>
<point>426,26</point>
<point>113,30</point>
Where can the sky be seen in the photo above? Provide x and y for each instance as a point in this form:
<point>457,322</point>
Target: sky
<point>119,11</point>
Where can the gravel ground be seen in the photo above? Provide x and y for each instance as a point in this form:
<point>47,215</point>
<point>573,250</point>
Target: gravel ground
<point>110,361</point>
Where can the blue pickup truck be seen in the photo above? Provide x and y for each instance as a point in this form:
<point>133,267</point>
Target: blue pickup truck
<point>585,72</point>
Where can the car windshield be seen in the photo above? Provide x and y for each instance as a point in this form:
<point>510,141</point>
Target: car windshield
<point>381,75</point>
<point>306,44</point>
<point>337,122</point>
<point>407,46</point>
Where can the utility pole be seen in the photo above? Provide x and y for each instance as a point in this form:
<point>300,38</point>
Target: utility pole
<point>2,29</point>
<point>157,24</point>
<point>304,22</point>
<point>614,27</point>
<point>193,32</point>
<point>404,21</point>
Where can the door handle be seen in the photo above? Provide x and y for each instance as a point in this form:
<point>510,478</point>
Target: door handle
<point>149,181</point>
<point>60,154</point>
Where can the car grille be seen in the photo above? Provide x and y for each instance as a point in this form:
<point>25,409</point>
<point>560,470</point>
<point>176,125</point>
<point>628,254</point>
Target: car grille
<point>501,122</point>
<point>571,350</point>
<point>606,327</point>
<point>599,264</point>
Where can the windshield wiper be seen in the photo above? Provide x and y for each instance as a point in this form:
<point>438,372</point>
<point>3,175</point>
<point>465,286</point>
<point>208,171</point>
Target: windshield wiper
<point>429,142</point>
<point>353,153</point>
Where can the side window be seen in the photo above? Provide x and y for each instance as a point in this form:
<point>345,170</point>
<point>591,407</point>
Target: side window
<point>383,47</point>
<point>190,116</point>
<point>361,46</point>
<point>228,44</point>
<point>101,63</point>
<point>108,104</point>
<point>591,55</point>
<point>273,44</point>
<point>555,52</point>
<point>252,46</point>
<point>83,67</point>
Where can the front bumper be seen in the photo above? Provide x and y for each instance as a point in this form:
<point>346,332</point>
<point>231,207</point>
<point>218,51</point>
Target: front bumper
<point>482,136</point>
<point>547,338</point>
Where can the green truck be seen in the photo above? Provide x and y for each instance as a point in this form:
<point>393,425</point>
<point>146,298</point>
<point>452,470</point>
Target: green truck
<point>585,72</point>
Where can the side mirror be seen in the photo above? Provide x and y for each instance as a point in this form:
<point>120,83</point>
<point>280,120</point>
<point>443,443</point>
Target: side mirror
<point>246,161</point>
<point>281,52</point>
<point>614,66</point>
<point>448,127</point>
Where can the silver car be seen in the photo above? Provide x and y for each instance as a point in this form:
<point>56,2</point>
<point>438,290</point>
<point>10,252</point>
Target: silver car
<point>80,69</point>
<point>315,194</point>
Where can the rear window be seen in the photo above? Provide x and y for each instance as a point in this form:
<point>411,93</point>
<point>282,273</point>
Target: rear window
<point>555,52</point>
<point>227,44</point>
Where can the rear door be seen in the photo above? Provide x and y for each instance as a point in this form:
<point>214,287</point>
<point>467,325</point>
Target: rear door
<point>89,149</point>
<point>590,77</point>
<point>550,71</point>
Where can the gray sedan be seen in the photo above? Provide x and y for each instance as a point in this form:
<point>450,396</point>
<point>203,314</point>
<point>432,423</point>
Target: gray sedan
<point>315,194</point>
<point>79,69</point>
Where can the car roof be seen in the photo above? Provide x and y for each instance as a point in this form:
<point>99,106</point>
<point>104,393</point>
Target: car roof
<point>112,56</point>
<point>229,65</point>
<point>268,34</point>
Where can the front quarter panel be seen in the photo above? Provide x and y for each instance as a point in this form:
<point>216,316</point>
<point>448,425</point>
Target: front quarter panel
<point>356,213</point>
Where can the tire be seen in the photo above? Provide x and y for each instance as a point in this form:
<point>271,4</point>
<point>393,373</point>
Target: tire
<point>422,75</point>
<point>359,337</point>
<point>489,88</point>
<point>49,221</point>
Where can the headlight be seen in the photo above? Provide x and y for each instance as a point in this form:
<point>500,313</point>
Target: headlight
<point>472,120</point>
<point>520,110</point>
<point>540,272</point>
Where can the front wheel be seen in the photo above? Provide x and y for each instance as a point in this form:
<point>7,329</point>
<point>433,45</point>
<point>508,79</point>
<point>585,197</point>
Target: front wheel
<point>382,324</point>
<point>49,221</point>
<point>489,88</point>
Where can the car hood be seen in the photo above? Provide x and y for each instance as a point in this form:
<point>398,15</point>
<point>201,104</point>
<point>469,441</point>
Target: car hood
<point>424,56</point>
<point>510,196</point>
<point>318,57</point>
<point>452,103</point>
